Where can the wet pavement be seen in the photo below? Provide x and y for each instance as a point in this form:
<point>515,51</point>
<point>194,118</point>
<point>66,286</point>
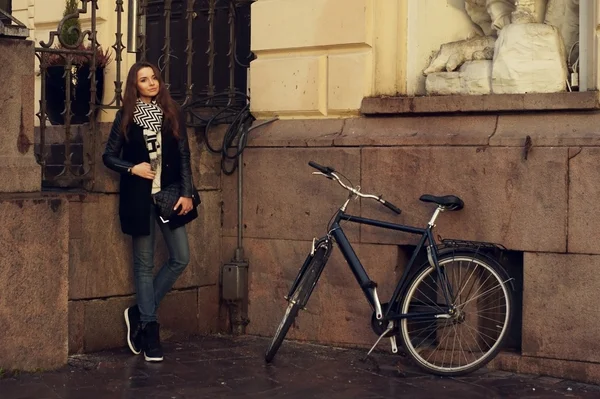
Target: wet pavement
<point>233,367</point>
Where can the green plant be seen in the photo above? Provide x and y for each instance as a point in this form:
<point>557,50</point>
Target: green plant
<point>71,27</point>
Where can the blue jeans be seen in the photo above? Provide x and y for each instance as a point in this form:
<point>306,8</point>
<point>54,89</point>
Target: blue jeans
<point>151,290</point>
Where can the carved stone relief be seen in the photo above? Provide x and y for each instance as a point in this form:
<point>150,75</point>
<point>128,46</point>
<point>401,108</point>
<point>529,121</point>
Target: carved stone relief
<point>528,44</point>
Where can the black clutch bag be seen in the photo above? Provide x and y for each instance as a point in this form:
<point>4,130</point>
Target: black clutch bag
<point>166,199</point>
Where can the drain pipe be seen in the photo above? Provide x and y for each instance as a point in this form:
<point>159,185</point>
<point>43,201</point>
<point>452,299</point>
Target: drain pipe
<point>234,275</point>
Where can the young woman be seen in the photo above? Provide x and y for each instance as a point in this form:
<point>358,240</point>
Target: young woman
<point>148,146</point>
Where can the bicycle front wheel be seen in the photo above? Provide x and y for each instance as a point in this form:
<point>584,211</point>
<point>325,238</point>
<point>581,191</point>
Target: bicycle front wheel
<point>480,314</point>
<point>299,297</point>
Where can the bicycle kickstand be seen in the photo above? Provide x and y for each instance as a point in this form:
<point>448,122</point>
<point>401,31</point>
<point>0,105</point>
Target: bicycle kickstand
<point>390,327</point>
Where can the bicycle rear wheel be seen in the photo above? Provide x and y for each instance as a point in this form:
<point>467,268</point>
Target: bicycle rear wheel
<point>479,320</point>
<point>300,296</point>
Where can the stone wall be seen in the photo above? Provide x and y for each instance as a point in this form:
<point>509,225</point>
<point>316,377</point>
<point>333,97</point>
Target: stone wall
<point>538,201</point>
<point>34,264</point>
<point>19,170</point>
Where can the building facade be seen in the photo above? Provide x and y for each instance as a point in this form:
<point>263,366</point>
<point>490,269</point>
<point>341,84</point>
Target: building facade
<point>346,80</point>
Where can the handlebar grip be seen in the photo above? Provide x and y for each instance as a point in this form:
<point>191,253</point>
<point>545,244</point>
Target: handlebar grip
<point>391,206</point>
<point>323,169</point>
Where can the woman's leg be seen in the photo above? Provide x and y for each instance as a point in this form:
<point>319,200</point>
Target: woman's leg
<point>143,265</point>
<point>179,257</point>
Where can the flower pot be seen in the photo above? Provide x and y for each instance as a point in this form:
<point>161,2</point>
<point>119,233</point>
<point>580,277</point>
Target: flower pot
<point>80,93</point>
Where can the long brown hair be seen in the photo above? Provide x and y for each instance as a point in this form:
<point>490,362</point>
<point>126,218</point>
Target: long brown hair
<point>163,99</point>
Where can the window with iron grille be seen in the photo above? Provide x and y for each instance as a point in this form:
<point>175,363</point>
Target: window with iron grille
<point>221,45</point>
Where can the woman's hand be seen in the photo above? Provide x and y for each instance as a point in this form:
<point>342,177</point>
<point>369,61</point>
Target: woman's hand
<point>143,170</point>
<point>186,205</point>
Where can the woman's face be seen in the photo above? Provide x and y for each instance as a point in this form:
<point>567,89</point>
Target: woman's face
<point>147,84</point>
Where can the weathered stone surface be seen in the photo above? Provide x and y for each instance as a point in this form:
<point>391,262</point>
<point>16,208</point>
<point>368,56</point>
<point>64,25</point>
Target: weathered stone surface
<point>76,326</point>
<point>476,77</point>
<point>473,78</point>
<point>584,220</point>
<point>504,195</point>
<point>400,131</point>
<point>564,14</point>
<point>585,100</point>
<point>295,133</point>
<point>477,11</point>
<point>234,367</point>
<point>179,313</point>
<point>34,283</point>
<point>98,324</point>
<point>204,235</point>
<point>559,291</point>
<point>550,129</point>
<point>579,371</point>
<point>20,171</point>
<point>282,199</point>
<point>206,166</point>
<point>19,175</point>
<point>337,311</point>
<point>208,310</point>
<point>529,58</point>
<point>101,261</point>
<point>454,54</point>
<point>443,83</point>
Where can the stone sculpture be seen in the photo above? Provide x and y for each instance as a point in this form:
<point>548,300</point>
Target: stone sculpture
<point>522,47</point>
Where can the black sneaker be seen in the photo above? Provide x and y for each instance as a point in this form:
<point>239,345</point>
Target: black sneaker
<point>151,343</point>
<point>134,329</point>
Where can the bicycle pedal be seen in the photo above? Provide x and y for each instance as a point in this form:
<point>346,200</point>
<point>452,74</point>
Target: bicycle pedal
<point>393,342</point>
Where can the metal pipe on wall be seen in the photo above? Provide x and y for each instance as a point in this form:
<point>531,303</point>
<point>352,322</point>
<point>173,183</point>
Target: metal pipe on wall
<point>133,11</point>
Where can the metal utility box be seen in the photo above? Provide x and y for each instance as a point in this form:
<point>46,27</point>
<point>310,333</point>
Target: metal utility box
<point>234,280</point>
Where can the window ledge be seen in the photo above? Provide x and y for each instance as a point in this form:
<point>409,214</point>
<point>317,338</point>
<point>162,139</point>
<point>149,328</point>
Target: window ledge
<point>587,100</point>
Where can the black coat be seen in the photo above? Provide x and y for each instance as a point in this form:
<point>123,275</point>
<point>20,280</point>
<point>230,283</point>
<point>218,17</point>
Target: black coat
<point>135,202</point>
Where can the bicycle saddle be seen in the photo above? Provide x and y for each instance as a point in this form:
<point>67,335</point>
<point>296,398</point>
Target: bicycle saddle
<point>450,202</point>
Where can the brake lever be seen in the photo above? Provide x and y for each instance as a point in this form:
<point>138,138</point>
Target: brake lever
<point>323,174</point>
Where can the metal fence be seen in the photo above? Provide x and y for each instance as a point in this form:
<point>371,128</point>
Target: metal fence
<point>202,48</point>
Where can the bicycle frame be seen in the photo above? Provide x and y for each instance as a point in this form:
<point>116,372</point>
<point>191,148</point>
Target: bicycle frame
<point>366,284</point>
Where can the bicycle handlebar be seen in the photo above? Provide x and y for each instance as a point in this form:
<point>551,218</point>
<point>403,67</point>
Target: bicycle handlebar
<point>323,169</point>
<point>329,172</point>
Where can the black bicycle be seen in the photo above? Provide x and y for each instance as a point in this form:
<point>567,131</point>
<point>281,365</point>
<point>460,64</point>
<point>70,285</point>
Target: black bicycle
<point>452,313</point>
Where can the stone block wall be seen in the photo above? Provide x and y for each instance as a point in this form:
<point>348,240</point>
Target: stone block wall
<point>537,201</point>
<point>34,267</point>
<point>19,169</point>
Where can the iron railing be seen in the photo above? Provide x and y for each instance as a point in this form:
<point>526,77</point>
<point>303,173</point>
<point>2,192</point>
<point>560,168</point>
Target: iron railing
<point>205,85</point>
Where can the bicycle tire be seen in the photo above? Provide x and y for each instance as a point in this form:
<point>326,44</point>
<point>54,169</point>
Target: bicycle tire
<point>299,297</point>
<point>499,326</point>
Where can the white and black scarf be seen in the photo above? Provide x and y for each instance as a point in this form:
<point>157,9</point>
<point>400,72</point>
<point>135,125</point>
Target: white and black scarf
<point>150,117</point>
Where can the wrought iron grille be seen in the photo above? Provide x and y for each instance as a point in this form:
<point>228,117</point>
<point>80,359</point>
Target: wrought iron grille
<point>202,48</point>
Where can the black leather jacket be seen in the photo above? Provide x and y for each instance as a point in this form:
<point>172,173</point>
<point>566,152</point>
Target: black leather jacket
<point>121,154</point>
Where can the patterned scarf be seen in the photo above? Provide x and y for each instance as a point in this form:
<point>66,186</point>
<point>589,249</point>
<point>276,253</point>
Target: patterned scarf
<point>148,116</point>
